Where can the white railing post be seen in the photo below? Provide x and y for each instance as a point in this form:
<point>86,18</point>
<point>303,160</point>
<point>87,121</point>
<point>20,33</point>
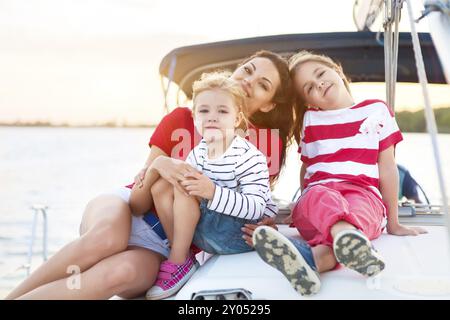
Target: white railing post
<point>37,209</point>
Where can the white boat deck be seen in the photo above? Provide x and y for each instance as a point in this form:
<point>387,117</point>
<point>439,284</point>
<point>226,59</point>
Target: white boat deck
<point>416,268</point>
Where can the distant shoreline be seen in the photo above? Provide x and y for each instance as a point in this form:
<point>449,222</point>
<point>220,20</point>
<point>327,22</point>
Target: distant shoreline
<point>440,130</point>
<point>407,121</point>
<point>52,125</point>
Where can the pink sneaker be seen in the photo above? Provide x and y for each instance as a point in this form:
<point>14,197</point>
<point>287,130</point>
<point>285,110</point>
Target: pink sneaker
<point>171,278</point>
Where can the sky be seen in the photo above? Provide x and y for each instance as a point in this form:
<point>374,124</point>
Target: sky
<point>96,61</point>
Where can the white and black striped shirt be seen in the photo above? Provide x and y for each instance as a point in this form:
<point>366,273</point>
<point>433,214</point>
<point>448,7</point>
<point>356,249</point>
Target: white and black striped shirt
<point>241,177</point>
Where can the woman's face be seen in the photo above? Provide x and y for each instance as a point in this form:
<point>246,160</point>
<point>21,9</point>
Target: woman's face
<point>260,80</point>
<point>321,86</point>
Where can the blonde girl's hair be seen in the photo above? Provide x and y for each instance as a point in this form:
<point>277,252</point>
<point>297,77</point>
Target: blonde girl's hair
<point>299,104</point>
<point>220,80</point>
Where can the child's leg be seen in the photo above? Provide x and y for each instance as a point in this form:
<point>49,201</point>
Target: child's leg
<point>324,258</point>
<point>325,211</point>
<point>352,247</point>
<point>163,198</point>
<point>186,215</point>
<point>141,198</point>
<point>340,226</point>
<point>322,212</point>
<point>366,210</point>
<point>180,266</point>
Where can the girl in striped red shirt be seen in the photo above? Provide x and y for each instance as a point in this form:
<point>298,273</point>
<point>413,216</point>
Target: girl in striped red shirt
<point>349,179</point>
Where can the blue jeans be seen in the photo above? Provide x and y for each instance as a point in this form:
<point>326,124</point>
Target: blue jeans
<point>218,233</point>
<point>305,250</point>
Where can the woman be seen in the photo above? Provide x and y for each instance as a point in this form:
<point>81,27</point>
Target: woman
<point>107,262</point>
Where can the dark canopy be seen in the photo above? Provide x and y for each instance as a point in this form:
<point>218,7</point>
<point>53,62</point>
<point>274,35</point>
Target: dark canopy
<point>361,56</point>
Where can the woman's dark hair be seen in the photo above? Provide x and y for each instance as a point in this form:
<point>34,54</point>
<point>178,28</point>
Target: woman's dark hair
<point>282,116</point>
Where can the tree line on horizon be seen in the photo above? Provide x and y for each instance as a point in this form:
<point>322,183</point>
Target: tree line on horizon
<point>415,121</point>
<point>408,121</point>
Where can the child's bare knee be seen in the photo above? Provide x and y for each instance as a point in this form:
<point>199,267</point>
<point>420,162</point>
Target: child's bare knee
<point>179,194</point>
<point>160,187</point>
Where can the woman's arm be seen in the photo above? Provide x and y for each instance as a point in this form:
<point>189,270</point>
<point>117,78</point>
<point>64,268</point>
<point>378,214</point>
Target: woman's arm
<point>139,178</point>
<point>253,189</point>
<point>160,165</point>
<point>388,174</point>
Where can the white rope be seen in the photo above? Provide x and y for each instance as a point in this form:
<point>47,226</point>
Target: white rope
<point>387,50</point>
<point>429,114</point>
<point>395,36</point>
<point>391,36</point>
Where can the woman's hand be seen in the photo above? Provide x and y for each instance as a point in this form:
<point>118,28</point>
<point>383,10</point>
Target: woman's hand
<point>172,170</point>
<point>197,184</point>
<point>139,178</point>
<point>401,230</point>
<point>248,229</point>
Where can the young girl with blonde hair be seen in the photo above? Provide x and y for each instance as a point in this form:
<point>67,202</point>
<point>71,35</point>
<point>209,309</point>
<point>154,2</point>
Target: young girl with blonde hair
<point>229,187</point>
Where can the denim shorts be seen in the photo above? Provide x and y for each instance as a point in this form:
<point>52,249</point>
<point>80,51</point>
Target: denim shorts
<point>218,233</point>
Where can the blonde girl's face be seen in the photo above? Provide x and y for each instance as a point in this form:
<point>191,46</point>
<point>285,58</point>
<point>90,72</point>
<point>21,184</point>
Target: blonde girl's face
<point>321,86</point>
<point>259,78</point>
<point>216,115</point>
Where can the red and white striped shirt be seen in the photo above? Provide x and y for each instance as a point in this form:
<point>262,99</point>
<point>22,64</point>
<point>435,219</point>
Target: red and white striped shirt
<point>344,144</point>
